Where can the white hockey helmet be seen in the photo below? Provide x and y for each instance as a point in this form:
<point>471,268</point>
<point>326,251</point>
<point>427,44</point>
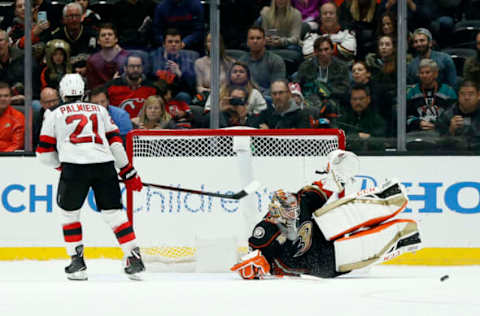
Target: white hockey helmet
<point>71,85</point>
<point>342,166</point>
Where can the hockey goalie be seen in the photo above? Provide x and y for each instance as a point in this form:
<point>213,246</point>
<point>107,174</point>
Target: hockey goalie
<point>325,231</point>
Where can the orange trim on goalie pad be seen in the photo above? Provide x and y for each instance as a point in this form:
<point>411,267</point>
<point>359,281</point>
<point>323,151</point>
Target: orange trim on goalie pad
<point>376,229</point>
<point>371,222</point>
<point>252,268</point>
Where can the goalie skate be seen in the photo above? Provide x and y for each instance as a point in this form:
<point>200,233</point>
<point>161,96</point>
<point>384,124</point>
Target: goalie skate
<point>77,270</point>
<point>134,265</point>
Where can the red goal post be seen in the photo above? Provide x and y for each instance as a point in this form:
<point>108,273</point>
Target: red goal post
<point>209,160</point>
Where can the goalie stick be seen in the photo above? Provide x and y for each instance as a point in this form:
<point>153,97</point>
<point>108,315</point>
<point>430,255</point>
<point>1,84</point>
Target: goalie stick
<point>251,187</point>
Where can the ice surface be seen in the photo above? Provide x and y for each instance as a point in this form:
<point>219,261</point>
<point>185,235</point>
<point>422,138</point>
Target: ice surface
<point>40,288</point>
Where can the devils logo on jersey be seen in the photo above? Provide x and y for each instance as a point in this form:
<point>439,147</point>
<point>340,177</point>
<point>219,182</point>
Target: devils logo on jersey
<point>132,106</point>
<point>304,239</point>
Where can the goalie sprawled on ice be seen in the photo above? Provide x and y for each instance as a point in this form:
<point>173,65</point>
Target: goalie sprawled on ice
<point>322,231</point>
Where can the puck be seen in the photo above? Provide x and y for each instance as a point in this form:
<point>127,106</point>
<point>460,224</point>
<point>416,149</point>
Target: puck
<point>443,278</point>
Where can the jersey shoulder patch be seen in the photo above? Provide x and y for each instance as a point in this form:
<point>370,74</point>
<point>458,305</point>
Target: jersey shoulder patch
<point>263,235</point>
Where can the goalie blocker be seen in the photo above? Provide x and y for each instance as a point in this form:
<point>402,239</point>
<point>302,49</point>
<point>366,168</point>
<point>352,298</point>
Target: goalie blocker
<point>330,239</point>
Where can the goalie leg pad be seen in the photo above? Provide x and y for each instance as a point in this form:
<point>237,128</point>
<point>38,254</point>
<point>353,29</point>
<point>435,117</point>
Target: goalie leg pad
<point>377,244</point>
<point>253,266</point>
<point>353,213</point>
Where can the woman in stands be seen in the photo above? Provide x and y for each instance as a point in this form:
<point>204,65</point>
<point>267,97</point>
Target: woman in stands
<point>239,75</point>
<point>282,24</point>
<point>202,66</point>
<point>153,115</point>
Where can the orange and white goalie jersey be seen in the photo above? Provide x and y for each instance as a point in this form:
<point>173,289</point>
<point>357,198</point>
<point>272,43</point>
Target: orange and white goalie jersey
<point>78,133</point>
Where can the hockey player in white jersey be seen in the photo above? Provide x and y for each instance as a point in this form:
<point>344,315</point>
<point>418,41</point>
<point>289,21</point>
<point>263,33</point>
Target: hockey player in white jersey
<point>81,140</point>
<point>325,231</point>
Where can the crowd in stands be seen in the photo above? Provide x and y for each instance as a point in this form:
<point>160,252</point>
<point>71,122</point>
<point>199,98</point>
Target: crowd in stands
<point>283,64</point>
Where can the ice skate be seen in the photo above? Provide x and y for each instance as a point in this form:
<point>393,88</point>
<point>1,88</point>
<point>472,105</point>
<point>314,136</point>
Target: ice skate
<point>134,264</point>
<point>77,270</point>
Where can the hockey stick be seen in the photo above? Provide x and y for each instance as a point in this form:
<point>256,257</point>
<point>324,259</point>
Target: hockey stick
<point>251,187</point>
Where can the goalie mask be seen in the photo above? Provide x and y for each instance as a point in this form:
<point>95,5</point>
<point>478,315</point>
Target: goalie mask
<point>71,85</point>
<point>283,206</point>
<point>342,166</point>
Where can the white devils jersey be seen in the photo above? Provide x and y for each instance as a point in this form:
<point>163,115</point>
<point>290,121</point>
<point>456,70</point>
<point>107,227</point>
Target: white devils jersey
<point>80,132</point>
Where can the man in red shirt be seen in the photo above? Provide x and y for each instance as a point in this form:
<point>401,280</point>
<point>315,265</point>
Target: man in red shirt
<point>12,122</point>
<point>130,91</point>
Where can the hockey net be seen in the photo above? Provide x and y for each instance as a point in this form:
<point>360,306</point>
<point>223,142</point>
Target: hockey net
<point>169,225</point>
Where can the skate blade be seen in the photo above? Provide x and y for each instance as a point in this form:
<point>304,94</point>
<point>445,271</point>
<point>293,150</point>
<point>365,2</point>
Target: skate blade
<point>78,276</point>
<point>135,277</point>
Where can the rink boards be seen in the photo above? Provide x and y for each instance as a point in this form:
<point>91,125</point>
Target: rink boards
<point>444,195</point>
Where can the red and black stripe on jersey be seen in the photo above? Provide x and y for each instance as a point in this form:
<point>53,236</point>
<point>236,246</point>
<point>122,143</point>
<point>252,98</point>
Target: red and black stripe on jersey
<point>46,144</point>
<point>114,136</point>
<point>124,233</point>
<point>72,232</point>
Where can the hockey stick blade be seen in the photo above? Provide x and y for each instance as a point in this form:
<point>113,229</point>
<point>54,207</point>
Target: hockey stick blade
<point>252,187</point>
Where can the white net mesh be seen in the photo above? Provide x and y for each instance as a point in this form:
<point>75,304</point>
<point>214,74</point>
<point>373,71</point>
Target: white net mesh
<point>222,146</point>
<point>189,157</point>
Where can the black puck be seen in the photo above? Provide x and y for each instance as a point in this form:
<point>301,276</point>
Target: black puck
<point>443,278</point>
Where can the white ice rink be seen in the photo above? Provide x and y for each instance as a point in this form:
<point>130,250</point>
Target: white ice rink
<point>40,288</point>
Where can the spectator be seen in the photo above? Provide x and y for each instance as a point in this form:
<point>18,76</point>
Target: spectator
<point>285,112</point>
<point>119,116</point>
<point>426,101</point>
<point>12,70</point>
<point>175,65</point>
<point>49,100</point>
<point>460,124</point>
<point>136,31</point>
<point>235,111</point>
<point>81,38</point>
<point>324,116</point>
<point>471,68</point>
<point>309,11</point>
<point>12,122</point>
<point>422,43</point>
<point>384,63</point>
<point>109,61</point>
<point>153,115</point>
<point>239,75</point>
<point>345,44</point>
<point>383,95</point>
<point>362,16</point>
<point>79,65</point>
<point>415,16</point>
<point>387,25</point>
<point>180,111</point>
<point>54,14</point>
<point>361,123</point>
<point>57,56</point>
<point>282,24</point>
<point>323,72</point>
<point>265,66</point>
<point>16,30</point>
<point>202,66</point>
<point>131,89</point>
<point>90,18</point>
<point>184,15</point>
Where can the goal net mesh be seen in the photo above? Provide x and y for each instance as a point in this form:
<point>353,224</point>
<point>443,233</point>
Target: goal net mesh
<point>212,156</point>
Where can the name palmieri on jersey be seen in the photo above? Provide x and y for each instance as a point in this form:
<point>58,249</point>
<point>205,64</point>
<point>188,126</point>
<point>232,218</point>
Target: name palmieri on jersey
<point>79,107</point>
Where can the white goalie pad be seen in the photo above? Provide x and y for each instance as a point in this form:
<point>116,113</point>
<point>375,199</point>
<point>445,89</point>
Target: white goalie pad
<point>362,209</point>
<point>381,243</point>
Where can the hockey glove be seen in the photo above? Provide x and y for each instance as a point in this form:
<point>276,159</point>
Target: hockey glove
<point>253,266</point>
<point>130,178</point>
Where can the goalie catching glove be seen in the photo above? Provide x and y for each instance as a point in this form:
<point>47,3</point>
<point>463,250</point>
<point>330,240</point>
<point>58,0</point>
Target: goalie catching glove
<point>130,178</point>
<point>253,266</point>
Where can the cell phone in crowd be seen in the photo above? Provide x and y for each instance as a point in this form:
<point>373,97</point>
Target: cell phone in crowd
<point>42,17</point>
